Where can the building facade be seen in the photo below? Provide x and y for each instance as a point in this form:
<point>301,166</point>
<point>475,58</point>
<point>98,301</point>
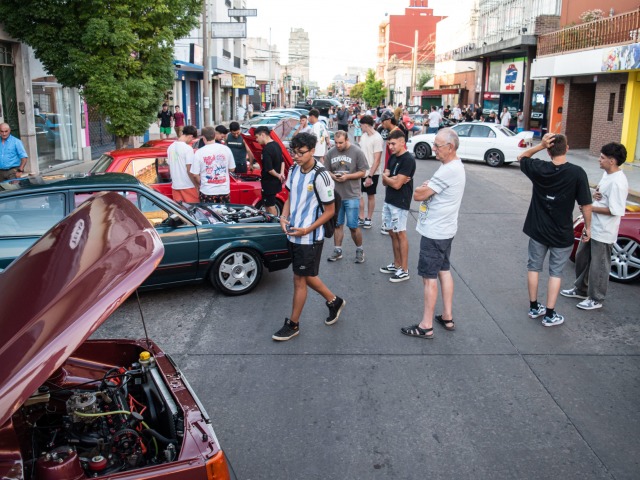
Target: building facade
<point>264,67</point>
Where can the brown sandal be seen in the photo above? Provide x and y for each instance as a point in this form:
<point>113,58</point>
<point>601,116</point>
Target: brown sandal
<point>447,324</point>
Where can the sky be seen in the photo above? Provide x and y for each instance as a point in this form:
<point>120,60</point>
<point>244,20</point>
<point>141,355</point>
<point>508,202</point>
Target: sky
<point>342,33</point>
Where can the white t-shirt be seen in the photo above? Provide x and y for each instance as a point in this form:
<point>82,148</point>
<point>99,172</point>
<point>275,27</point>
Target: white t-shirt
<point>370,144</point>
<point>320,131</point>
<point>438,216</point>
<point>180,158</point>
<point>303,202</point>
<point>505,118</point>
<point>214,162</point>
<point>457,113</point>
<point>614,189</point>
<point>434,119</point>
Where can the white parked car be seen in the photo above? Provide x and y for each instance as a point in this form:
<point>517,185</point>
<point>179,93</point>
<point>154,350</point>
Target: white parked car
<point>488,142</point>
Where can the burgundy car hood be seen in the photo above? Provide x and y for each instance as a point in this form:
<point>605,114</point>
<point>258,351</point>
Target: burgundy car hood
<point>60,290</point>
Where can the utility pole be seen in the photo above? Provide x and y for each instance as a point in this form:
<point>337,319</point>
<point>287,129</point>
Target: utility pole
<point>207,66</point>
<point>414,68</point>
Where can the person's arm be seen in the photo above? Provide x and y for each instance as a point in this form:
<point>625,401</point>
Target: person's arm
<point>374,168</point>
<point>249,152</point>
<point>546,142</point>
<point>394,182</point>
<point>586,231</point>
<point>423,192</point>
<point>194,173</point>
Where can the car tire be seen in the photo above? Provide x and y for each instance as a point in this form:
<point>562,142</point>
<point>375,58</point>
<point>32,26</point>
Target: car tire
<point>494,158</point>
<point>625,260</point>
<point>236,271</point>
<point>422,151</point>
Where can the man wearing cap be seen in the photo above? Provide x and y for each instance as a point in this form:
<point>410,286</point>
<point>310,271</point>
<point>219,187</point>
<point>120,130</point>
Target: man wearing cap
<point>13,157</point>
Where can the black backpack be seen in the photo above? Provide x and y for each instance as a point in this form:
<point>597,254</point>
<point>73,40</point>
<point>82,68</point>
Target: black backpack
<point>330,225</point>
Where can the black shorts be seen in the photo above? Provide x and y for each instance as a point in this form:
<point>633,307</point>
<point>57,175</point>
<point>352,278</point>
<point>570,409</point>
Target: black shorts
<point>434,257</point>
<point>373,188</point>
<point>269,199</point>
<point>306,258</point>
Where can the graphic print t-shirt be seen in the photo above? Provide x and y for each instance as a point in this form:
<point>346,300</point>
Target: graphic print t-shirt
<point>320,131</point>
<point>556,189</point>
<point>351,160</point>
<point>214,163</point>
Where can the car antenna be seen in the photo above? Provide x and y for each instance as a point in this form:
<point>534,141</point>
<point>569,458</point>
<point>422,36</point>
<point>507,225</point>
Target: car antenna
<point>144,325</point>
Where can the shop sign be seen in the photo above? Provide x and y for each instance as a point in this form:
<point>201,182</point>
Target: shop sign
<point>238,80</point>
<point>491,96</point>
<point>250,81</point>
<point>624,57</point>
<point>226,81</point>
<point>511,77</point>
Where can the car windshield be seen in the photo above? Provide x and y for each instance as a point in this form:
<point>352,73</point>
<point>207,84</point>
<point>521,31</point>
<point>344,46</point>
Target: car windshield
<point>102,164</point>
<point>182,209</point>
<point>505,131</point>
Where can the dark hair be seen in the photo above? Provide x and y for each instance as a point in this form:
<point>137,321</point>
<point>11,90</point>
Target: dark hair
<point>209,133</point>
<point>176,106</point>
<point>164,105</point>
<point>262,129</point>
<point>366,120</point>
<point>396,134</point>
<point>190,130</point>
<point>559,146</point>
<point>222,129</point>
<point>314,112</point>
<point>615,150</point>
<point>304,139</point>
<point>303,116</point>
<point>234,126</point>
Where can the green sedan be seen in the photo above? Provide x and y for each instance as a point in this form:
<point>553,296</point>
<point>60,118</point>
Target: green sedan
<point>229,244</point>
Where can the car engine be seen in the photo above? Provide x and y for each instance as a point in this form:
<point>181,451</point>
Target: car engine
<point>125,422</point>
<point>233,214</point>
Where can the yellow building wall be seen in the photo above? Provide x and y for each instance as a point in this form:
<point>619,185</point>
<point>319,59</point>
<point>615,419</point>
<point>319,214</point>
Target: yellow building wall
<point>629,137</point>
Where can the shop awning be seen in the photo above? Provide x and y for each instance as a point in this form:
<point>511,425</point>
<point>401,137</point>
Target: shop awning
<point>187,67</point>
<point>438,93</point>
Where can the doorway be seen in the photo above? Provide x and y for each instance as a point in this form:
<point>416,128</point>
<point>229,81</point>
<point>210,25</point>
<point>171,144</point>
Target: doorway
<point>8,99</point>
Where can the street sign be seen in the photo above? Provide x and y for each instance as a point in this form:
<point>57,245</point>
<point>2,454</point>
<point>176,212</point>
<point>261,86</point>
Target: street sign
<point>228,30</point>
<point>243,12</point>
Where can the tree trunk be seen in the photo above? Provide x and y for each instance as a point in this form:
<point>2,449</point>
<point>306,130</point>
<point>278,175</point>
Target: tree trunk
<point>122,142</point>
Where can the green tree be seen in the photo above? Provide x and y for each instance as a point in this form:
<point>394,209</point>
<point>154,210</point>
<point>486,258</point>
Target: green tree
<point>374,90</point>
<point>119,53</point>
<point>356,91</point>
<point>423,79</point>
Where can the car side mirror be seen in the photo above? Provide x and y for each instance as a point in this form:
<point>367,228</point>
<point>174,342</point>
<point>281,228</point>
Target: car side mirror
<point>174,221</point>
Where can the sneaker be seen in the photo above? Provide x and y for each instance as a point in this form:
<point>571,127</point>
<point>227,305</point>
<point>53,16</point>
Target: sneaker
<point>335,308</point>
<point>399,276</point>
<point>367,223</point>
<point>288,331</point>
<point>335,256</point>
<point>537,312</point>
<point>572,293</point>
<point>383,231</point>
<point>391,268</point>
<point>589,304</point>
<point>359,255</point>
<point>360,222</point>
<point>553,321</point>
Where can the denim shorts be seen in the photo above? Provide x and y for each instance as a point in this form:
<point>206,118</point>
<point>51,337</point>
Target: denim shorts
<point>558,257</point>
<point>394,218</point>
<point>349,208</point>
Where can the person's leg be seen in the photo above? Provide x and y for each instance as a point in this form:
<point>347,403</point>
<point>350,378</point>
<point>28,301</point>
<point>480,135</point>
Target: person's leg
<point>338,236</point>
<point>558,257</point>
<point>350,207</point>
<point>299,297</point>
<point>536,253</point>
<point>532,283</point>
<point>371,205</point>
<point>430,299</point>
<point>446,284</point>
<point>356,236</point>
<point>318,285</point>
<point>583,261</point>
<point>599,270</point>
<point>403,244</point>
<point>395,244</point>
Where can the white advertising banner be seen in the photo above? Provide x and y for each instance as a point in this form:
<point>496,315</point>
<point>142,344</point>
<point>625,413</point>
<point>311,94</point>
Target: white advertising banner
<point>511,77</point>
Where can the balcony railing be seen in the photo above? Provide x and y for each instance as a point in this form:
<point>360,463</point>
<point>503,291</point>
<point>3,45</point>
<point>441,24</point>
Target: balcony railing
<point>617,30</point>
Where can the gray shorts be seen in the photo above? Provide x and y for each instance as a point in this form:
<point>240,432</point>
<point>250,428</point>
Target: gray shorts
<point>434,257</point>
<point>558,257</point>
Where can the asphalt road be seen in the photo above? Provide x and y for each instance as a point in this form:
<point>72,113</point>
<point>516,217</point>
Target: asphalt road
<point>501,397</point>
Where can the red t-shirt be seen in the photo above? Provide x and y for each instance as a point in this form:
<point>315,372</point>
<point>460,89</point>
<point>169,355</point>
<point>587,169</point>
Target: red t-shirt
<point>179,119</point>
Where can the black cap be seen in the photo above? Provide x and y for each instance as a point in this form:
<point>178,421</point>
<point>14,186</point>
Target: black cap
<point>386,115</point>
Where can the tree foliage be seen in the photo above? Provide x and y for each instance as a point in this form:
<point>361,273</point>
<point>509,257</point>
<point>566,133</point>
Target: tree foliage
<point>357,91</point>
<point>374,90</point>
<point>423,78</point>
<point>118,52</point>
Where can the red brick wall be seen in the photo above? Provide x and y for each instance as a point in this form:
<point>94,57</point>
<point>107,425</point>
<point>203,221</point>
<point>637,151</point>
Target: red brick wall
<point>605,131</point>
<point>546,24</point>
<point>578,111</point>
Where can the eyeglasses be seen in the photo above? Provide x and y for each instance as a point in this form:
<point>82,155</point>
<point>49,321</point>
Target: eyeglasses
<point>435,145</point>
<point>300,153</point>
<point>5,131</point>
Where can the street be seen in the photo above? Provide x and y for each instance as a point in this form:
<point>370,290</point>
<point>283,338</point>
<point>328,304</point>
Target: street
<point>501,397</point>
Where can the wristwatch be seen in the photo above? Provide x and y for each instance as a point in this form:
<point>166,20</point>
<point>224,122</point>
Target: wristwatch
<point>369,176</point>
<point>19,170</point>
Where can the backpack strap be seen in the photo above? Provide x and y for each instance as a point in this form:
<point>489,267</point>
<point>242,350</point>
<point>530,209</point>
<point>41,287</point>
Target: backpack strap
<point>319,169</point>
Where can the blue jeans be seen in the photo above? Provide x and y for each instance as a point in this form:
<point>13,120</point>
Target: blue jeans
<point>432,130</point>
<point>349,208</point>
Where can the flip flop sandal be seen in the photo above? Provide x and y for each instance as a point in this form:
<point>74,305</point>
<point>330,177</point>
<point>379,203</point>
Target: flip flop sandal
<point>444,323</point>
<point>416,331</point>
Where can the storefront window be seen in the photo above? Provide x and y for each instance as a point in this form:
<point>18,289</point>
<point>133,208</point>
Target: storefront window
<point>55,118</point>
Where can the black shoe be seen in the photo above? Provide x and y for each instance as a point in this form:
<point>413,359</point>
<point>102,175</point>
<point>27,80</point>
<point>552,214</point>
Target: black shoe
<point>335,308</point>
<point>288,331</point>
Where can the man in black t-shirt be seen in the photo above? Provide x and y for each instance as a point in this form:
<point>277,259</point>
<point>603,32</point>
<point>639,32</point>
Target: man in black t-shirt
<point>165,119</point>
<point>557,185</point>
<point>238,147</point>
<point>398,178</point>
<point>272,168</point>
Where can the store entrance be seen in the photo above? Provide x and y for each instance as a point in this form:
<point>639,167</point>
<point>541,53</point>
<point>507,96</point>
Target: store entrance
<point>8,99</point>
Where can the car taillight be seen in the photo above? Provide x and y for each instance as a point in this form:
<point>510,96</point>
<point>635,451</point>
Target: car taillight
<point>523,143</point>
<point>217,468</point>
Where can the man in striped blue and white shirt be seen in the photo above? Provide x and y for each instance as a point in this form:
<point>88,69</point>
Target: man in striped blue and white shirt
<point>303,220</point>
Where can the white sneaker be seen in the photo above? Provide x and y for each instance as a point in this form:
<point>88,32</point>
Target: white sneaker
<point>553,321</point>
<point>589,304</point>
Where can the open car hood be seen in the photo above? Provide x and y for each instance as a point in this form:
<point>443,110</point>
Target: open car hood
<point>256,148</point>
<point>58,292</point>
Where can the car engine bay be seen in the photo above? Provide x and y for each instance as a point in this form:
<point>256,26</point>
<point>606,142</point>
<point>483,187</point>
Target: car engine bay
<point>122,421</point>
<point>211,213</point>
